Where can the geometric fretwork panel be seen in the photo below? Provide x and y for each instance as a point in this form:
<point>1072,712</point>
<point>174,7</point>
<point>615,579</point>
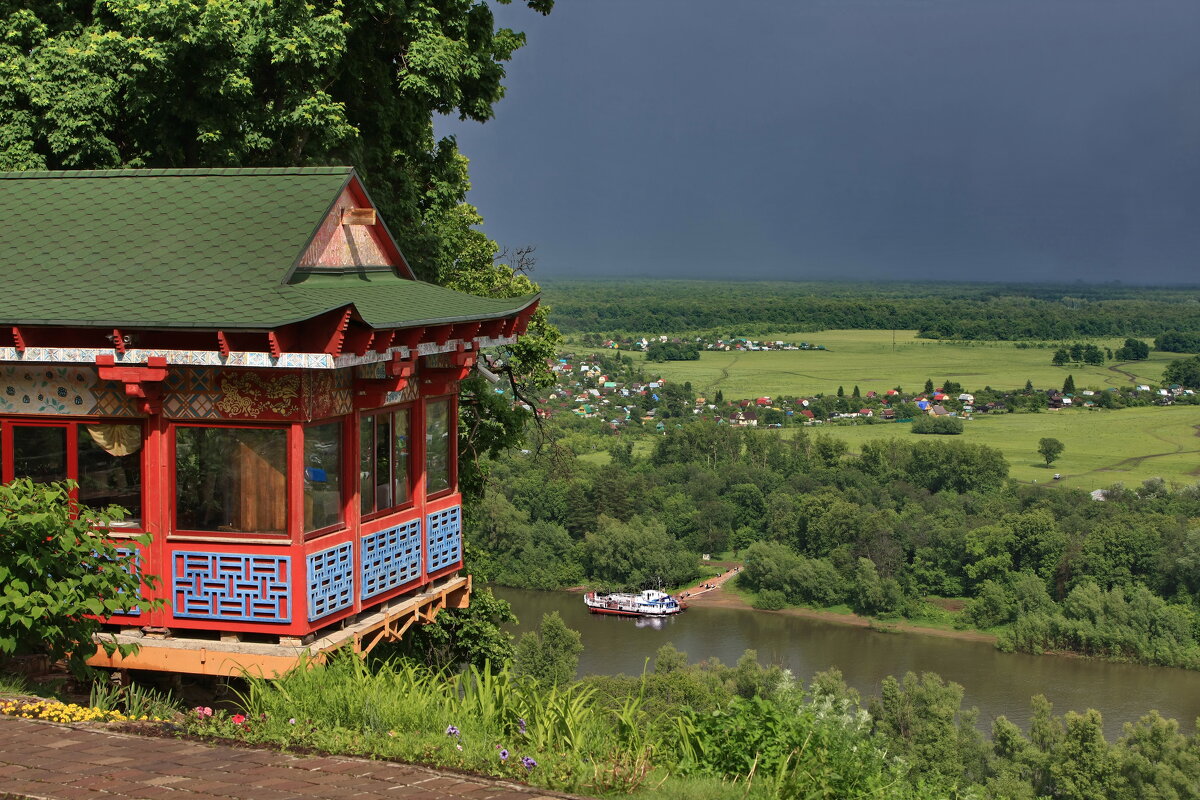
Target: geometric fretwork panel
<point>330,580</point>
<point>391,558</point>
<point>133,567</point>
<point>445,538</point>
<point>249,588</point>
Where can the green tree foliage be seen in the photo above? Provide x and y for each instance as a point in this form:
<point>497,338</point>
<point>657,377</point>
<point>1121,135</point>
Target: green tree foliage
<point>636,555</point>
<point>1050,449</point>
<point>1131,624</point>
<point>673,351</point>
<point>1069,385</point>
<point>551,654</point>
<point>58,573</point>
<point>1133,350</point>
<point>460,637</point>
<point>1185,372</point>
<point>947,426</point>
<point>162,84</point>
<point>922,716</point>
<point>1178,342</point>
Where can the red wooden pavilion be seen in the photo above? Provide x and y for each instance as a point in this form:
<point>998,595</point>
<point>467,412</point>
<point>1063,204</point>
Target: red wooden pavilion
<point>244,360</point>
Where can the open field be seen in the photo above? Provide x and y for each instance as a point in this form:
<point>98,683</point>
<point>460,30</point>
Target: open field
<point>1127,445</point>
<point>866,358</point>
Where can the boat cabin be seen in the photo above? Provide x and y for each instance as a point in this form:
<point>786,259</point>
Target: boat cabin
<point>242,359</point>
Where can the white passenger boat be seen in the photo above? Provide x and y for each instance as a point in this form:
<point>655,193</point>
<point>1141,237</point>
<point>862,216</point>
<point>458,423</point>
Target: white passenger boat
<point>649,603</point>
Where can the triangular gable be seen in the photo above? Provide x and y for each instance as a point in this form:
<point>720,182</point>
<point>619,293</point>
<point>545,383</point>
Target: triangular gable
<point>353,235</point>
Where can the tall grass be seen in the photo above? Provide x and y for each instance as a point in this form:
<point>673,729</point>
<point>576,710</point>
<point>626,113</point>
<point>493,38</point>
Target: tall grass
<point>467,720</point>
<point>134,701</point>
<point>494,721</point>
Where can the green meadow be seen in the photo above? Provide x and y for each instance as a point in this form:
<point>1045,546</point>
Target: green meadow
<point>872,361</point>
<point>1125,445</point>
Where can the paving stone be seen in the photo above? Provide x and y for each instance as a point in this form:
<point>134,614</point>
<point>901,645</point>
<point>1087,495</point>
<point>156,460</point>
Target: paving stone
<point>96,764</point>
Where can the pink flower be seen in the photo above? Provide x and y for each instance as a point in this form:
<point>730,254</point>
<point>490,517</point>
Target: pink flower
<point>203,711</point>
<point>238,719</point>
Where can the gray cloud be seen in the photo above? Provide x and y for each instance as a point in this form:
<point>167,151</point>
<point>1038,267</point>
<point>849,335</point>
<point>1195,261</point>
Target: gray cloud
<point>1023,140</point>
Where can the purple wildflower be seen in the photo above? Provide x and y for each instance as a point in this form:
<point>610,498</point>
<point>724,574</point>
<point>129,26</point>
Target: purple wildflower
<point>452,731</point>
<point>504,755</point>
<point>521,725</point>
<point>528,762</point>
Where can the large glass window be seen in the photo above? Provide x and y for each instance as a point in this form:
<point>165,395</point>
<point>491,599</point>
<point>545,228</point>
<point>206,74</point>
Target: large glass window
<point>322,476</point>
<point>40,452</point>
<point>439,450</point>
<point>107,465</point>
<point>110,468</point>
<point>383,460</point>
<point>231,480</point>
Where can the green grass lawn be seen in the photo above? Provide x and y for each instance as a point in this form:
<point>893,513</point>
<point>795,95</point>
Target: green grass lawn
<point>867,359</point>
<point>1102,447</point>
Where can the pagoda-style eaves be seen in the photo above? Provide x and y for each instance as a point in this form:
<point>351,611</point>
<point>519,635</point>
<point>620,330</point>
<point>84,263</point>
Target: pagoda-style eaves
<point>287,267</point>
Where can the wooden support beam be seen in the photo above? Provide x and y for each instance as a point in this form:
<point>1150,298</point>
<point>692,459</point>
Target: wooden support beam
<point>118,340</point>
<point>371,392</point>
<point>222,344</point>
<point>491,329</point>
<point>273,345</point>
<point>357,339</point>
<point>411,337</point>
<point>382,341</point>
<point>466,331</point>
<point>439,334</point>
<point>359,216</point>
<point>442,380</point>
<point>524,317</point>
<point>18,339</point>
<point>143,381</point>
<point>336,339</point>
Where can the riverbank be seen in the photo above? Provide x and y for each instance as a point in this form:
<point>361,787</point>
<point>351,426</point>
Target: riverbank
<point>714,593</point>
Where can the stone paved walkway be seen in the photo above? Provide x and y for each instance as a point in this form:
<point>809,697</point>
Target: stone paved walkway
<point>44,761</point>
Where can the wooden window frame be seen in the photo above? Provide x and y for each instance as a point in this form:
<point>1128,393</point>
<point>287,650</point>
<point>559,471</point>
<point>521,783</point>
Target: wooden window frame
<point>348,469</point>
<point>7,466</point>
<point>452,455</point>
<point>248,537</point>
<point>410,502</point>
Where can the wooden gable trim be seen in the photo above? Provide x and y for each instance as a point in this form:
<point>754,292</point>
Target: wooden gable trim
<point>363,206</point>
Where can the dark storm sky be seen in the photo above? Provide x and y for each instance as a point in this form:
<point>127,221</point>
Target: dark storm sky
<point>814,139</point>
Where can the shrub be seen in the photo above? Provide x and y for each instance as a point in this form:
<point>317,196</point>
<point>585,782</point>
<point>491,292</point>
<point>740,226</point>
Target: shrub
<point>770,600</point>
<point>946,426</point>
<point>58,574</point>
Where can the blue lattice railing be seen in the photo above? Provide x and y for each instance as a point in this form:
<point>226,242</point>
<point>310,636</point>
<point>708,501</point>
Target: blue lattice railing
<point>330,580</point>
<point>231,586</point>
<point>444,546</point>
<point>134,567</point>
<point>391,558</point>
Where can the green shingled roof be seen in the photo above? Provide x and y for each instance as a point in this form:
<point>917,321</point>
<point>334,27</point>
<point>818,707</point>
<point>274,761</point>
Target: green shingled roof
<point>192,248</point>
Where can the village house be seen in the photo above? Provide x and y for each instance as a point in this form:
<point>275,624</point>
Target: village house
<point>242,359</point>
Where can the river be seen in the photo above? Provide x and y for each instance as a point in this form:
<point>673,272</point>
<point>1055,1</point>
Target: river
<point>997,683</point>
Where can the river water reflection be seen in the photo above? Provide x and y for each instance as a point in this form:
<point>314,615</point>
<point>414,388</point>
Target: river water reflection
<point>997,683</point>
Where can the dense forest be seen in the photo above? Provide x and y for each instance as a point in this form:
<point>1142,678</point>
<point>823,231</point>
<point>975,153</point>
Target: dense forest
<point>881,532</point>
<point>936,310</point>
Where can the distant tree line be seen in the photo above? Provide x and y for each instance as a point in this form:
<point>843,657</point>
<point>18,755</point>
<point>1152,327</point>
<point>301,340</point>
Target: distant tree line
<point>937,311</point>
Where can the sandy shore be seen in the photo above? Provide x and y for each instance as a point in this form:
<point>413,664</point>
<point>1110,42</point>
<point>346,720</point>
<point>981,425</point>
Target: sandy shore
<point>720,597</point>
